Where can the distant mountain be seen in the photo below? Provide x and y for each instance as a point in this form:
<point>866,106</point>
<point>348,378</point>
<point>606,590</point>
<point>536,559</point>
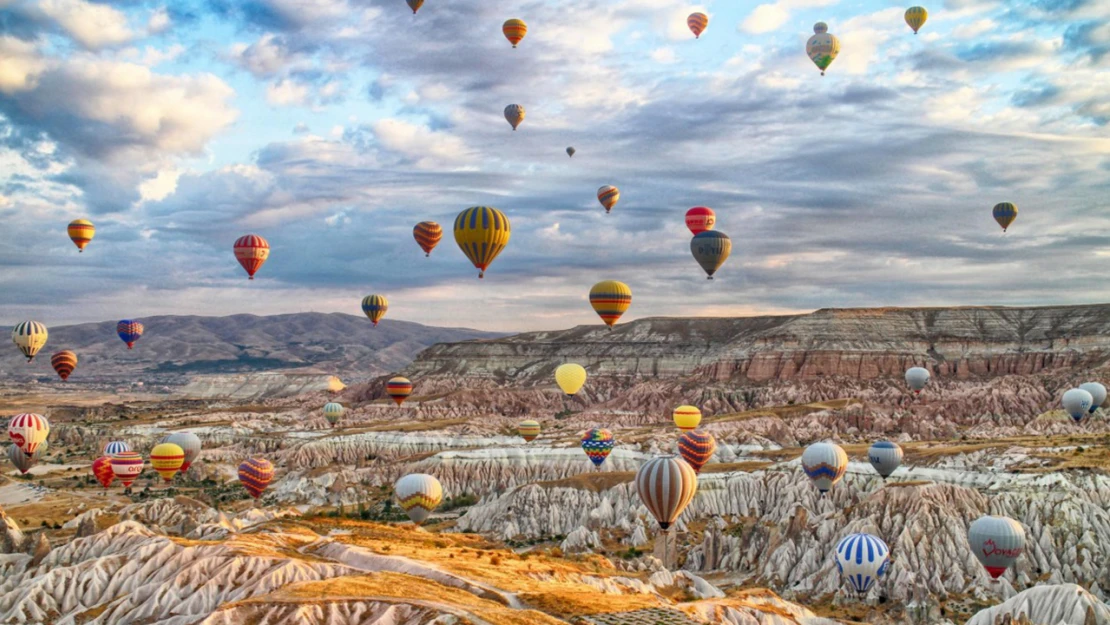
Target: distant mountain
<point>175,347</point>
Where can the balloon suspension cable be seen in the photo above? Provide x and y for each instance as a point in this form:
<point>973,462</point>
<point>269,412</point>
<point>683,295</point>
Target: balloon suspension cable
<point>250,277</point>
<point>427,255</point>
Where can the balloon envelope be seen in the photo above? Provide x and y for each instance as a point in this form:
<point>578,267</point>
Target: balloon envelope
<point>126,466</point>
<point>24,461</point>
<point>64,362</point>
<point>825,464</point>
<point>571,151</point>
<point>686,418</point>
<point>570,377</point>
<point>81,231</point>
<point>597,443</point>
<point>1004,213</point>
<point>481,232</point>
<point>528,429</point>
<point>116,447</point>
<point>666,485</point>
<point>610,299</point>
<point>374,307</point>
<point>427,235</point>
<point>697,23</point>
<point>102,471</point>
<point>333,412</point>
<point>700,218</point>
<point>398,389</point>
<point>997,542</point>
<point>189,443</point>
<point>251,251</point>
<point>915,18</point>
<point>917,378</point>
<point>1077,402</point>
<point>414,5</point>
<point>711,250</point>
<point>129,331</point>
<point>1098,394</point>
<point>514,30</point>
<point>167,458</point>
<point>861,559</point>
<point>822,47</point>
<point>28,430</point>
<point>29,337</point>
<point>885,456</point>
<point>256,474</point>
<point>608,195</point>
<point>418,494</point>
<point>514,114</point>
<point>696,448</point>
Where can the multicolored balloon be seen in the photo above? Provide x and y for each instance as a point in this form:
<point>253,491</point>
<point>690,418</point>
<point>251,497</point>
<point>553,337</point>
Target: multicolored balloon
<point>481,233</point>
<point>822,47</point>
<point>862,559</point>
<point>81,231</point>
<point>1077,402</point>
<point>1098,394</point>
<point>696,448</point>
<point>129,331</point>
<point>825,464</point>
<point>126,466</point>
<point>399,389</point>
<point>28,430</point>
<point>29,337</point>
<point>415,5</point>
<point>256,474</point>
<point>1004,213</point>
<point>610,299</point>
<point>886,457</point>
<point>514,30</point>
<point>571,151</point>
<point>700,218</point>
<point>697,23</point>
<point>251,251</point>
<point>514,114</point>
<point>598,443</point>
<point>116,447</point>
<point>167,458</point>
<point>189,443</point>
<point>666,485</point>
<point>333,412</point>
<point>375,307</point>
<point>711,250</point>
<point>528,429</point>
<point>24,461</point>
<point>608,195</point>
<point>102,471</point>
<point>64,362</point>
<point>570,378</point>
<point>427,235</point>
<point>915,18</point>
<point>418,494</point>
<point>686,418</point>
<point>997,542</point>
<point>917,378</point>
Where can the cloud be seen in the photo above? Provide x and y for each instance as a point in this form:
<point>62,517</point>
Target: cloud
<point>765,18</point>
<point>94,26</point>
<point>663,55</point>
<point>420,145</point>
<point>266,57</point>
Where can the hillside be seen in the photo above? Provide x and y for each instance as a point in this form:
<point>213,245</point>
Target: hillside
<point>175,347</point>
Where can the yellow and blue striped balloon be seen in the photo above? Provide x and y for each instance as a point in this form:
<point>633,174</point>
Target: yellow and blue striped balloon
<point>1005,213</point>
<point>375,306</point>
<point>915,18</point>
<point>610,299</point>
<point>481,233</point>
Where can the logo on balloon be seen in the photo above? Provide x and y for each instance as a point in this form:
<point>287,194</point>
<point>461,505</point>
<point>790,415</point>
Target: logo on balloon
<point>17,438</point>
<point>991,549</point>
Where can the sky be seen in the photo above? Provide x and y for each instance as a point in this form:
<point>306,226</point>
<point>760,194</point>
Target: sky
<point>331,127</point>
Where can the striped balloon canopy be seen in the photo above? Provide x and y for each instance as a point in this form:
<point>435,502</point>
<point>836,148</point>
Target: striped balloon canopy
<point>64,362</point>
<point>116,447</point>
<point>427,235</point>
<point>126,466</point>
<point>167,458</point>
<point>481,232</point>
<point>24,461</point>
<point>28,430</point>
<point>251,251</point>
<point>129,331</point>
<point>375,307</point>
<point>696,448</point>
<point>256,474</point>
<point>81,232</point>
<point>514,30</point>
<point>825,464</point>
<point>699,219</point>
<point>189,443</point>
<point>666,485</point>
<point>418,494</point>
<point>608,195</point>
<point>29,337</point>
<point>862,559</point>
<point>686,418</point>
<point>398,389</point>
<point>333,411</point>
<point>598,443</point>
<point>610,299</point>
<point>915,18</point>
<point>528,429</point>
<point>1004,213</point>
<point>697,23</point>
<point>711,249</point>
<point>102,471</point>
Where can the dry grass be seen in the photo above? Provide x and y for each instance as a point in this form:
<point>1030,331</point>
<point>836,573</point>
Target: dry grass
<point>594,482</point>
<point>727,467</point>
<point>784,412</point>
<point>408,426</point>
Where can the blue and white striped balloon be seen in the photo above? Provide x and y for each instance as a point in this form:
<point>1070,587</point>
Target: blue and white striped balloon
<point>116,447</point>
<point>862,559</point>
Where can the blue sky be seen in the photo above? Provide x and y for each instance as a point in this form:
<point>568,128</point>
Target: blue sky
<point>331,127</point>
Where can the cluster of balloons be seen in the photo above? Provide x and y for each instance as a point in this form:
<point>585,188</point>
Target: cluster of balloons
<point>31,336</point>
<point>1084,400</point>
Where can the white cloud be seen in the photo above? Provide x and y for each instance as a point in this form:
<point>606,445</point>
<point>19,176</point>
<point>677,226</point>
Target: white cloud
<point>159,21</point>
<point>151,56</point>
<point>663,55</point>
<point>768,17</point>
<point>287,92</point>
<point>421,143</point>
<point>974,29</point>
<point>20,65</point>
<point>92,25</point>
<point>159,187</point>
<point>266,57</point>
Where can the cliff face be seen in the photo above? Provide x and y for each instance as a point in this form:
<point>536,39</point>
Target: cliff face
<point>855,343</point>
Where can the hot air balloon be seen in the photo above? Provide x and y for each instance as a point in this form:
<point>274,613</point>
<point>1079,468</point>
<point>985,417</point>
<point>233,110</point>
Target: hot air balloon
<point>514,31</point>
<point>24,461</point>
<point>116,447</point>
<point>696,448</point>
<point>29,337</point>
<point>915,18</point>
<point>1004,213</point>
<point>129,331</point>
<point>528,429</point>
<point>570,377</point>
<point>255,474</point>
<point>917,378</point>
<point>482,232</point>
<point>251,251</point>
<point>862,559</point>
<point>28,431</point>
<point>597,443</point>
<point>885,456</point>
<point>375,306</point>
<point>997,541</point>
<point>822,47</point>
<point>686,418</point>
<point>610,299</point>
<point>1098,394</point>
<point>189,443</point>
<point>126,466</point>
<point>415,5</point>
<point>418,494</point>
<point>102,471</point>
<point>64,362</point>
<point>1077,402</point>
<point>514,114</point>
<point>333,412</point>
<point>398,388</point>
<point>167,458</point>
<point>81,231</point>
<point>608,195</point>
<point>571,151</point>
<point>711,250</point>
<point>700,218</point>
<point>697,23</point>
<point>427,235</point>
<point>825,464</point>
<point>666,485</point>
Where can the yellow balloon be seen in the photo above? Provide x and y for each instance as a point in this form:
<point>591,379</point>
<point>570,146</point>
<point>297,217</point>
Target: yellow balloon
<point>915,18</point>
<point>686,418</point>
<point>570,377</point>
<point>482,232</point>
